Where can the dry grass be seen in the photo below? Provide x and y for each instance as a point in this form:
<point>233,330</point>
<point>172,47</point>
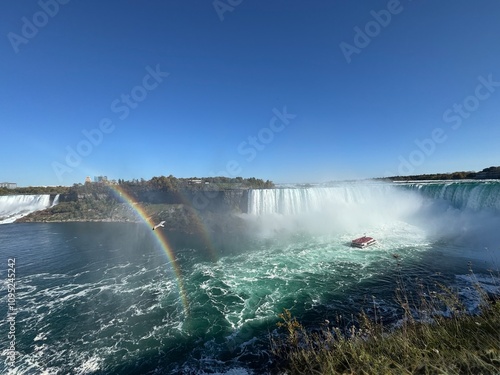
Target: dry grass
<point>426,342</point>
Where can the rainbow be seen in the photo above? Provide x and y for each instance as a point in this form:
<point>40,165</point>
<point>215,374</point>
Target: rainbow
<point>199,228</point>
<point>125,197</point>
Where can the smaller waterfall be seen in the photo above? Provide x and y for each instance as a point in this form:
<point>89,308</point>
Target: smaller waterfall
<point>56,200</point>
<point>13,207</point>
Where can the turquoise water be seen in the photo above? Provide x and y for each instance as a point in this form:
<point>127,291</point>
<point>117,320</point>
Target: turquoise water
<point>103,298</point>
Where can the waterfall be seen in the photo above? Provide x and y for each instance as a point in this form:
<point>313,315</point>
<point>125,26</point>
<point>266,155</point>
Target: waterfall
<point>292,201</point>
<point>470,195</point>
<point>56,200</point>
<point>13,207</point>
<point>353,207</point>
<point>465,211</point>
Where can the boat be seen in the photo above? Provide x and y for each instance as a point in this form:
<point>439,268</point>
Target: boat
<point>363,242</point>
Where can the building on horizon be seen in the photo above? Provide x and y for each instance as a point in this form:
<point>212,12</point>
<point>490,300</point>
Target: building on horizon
<point>8,185</point>
<point>100,178</point>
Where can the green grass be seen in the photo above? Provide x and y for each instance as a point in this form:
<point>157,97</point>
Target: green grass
<point>459,343</point>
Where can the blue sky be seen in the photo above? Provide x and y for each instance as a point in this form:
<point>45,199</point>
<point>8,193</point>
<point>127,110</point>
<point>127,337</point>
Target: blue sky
<point>291,91</point>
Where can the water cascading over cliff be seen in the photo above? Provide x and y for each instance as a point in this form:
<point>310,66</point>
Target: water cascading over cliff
<point>346,207</point>
<point>13,207</point>
<point>466,212</point>
<point>463,211</point>
<point>470,195</point>
<point>291,201</point>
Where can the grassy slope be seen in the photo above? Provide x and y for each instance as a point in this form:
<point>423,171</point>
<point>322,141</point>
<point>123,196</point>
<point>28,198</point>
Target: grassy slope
<point>460,344</point>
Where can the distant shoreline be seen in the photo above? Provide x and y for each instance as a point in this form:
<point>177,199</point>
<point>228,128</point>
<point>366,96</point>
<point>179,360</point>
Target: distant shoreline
<point>175,185</point>
<point>181,202</point>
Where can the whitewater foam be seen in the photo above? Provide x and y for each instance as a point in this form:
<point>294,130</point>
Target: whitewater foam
<point>469,194</point>
<point>43,308</point>
<point>14,207</point>
<point>349,208</point>
<point>464,213</point>
<point>126,308</point>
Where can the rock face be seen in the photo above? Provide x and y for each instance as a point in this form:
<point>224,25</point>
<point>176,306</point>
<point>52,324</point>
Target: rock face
<point>181,211</point>
<point>219,201</point>
<point>202,200</point>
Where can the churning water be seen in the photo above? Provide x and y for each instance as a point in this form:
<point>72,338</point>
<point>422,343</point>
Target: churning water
<point>103,298</point>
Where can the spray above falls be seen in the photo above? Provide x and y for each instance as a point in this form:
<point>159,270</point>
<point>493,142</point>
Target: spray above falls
<point>342,208</point>
<point>465,212</point>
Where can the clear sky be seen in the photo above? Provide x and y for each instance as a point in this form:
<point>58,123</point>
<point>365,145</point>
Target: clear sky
<point>291,91</point>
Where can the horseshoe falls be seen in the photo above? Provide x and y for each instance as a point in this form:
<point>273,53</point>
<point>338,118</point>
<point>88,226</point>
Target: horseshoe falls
<point>103,298</point>
<point>457,211</point>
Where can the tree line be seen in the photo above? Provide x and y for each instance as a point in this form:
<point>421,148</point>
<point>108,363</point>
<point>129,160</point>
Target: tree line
<point>171,183</point>
<point>490,172</point>
<point>159,183</point>
<point>35,190</point>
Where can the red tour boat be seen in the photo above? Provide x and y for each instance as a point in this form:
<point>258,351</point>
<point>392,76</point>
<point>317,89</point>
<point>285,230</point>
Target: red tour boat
<point>363,242</point>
